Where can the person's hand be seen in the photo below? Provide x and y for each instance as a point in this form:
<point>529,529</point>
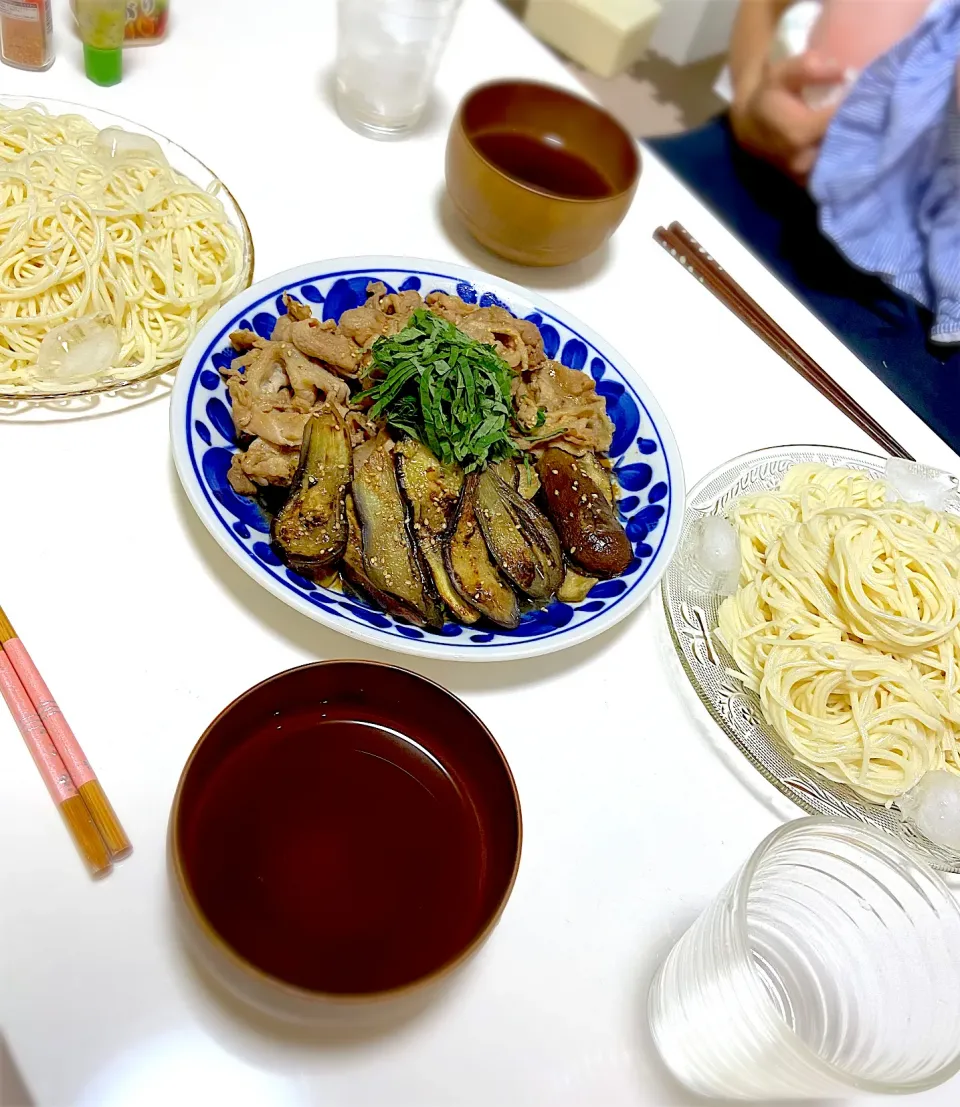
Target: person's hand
<point>773,121</point>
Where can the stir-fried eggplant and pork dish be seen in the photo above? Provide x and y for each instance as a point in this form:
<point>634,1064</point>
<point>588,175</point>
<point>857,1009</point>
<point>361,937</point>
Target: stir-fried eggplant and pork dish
<point>429,456</point>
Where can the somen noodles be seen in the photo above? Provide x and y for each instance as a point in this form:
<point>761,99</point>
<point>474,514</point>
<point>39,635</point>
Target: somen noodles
<point>96,227</point>
<point>846,624</point>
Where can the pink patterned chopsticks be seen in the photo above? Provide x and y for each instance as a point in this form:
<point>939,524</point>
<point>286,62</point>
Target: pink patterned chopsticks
<point>72,784</point>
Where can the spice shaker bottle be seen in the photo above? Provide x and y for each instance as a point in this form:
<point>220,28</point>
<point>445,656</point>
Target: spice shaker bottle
<point>26,34</point>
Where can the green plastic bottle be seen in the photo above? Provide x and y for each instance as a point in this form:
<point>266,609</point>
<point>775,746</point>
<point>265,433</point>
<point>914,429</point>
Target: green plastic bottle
<point>101,24</point>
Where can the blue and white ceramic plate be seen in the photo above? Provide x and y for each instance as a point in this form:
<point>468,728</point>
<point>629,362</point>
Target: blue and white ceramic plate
<point>644,451</point>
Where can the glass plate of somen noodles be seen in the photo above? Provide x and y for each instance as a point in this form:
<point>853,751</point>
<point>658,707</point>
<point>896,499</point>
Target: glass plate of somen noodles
<point>831,655</point>
<point>117,246</point>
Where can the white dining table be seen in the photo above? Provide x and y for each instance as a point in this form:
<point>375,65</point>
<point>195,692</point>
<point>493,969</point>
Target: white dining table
<point>636,809</point>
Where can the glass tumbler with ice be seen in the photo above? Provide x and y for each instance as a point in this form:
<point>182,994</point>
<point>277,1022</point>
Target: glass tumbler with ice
<point>387,57</point>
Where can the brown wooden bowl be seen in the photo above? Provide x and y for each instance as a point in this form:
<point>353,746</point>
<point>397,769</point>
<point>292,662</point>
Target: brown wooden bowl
<point>544,204</point>
<point>343,831</point>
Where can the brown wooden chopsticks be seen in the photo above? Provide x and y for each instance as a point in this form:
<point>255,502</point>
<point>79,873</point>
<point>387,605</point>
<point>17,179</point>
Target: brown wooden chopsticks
<point>680,244</point>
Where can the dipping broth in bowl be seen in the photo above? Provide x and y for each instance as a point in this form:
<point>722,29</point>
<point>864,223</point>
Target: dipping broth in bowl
<point>538,175</point>
<point>346,829</point>
<point>537,161</point>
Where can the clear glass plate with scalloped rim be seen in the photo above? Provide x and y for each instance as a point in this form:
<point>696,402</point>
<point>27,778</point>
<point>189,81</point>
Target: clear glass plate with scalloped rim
<point>692,617</point>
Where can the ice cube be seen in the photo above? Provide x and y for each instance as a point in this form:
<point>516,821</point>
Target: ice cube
<point>711,555</point>
<point>933,806</point>
<point>113,144</point>
<point>80,350</point>
<point>915,483</point>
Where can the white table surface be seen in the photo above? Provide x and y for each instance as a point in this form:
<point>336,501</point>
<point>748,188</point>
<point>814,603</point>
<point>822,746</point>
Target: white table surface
<point>635,809</point>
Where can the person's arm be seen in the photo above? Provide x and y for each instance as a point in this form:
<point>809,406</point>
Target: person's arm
<point>856,35</point>
<point>750,40</point>
<point>769,115</point>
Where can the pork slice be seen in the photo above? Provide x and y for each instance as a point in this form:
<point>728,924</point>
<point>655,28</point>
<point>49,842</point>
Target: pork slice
<point>281,329</point>
<point>244,340</point>
<point>359,427</point>
<point>575,417</point>
<point>363,324</point>
<point>260,465</point>
<point>496,327</point>
<point>309,380</point>
<point>275,367</point>
<point>401,303</point>
<point>263,375</point>
<point>263,418</point>
<point>315,340</point>
<point>239,481</point>
<point>375,291</point>
<point>295,309</point>
<point>448,307</point>
<point>274,387</point>
<point>533,340</point>
<point>382,314</point>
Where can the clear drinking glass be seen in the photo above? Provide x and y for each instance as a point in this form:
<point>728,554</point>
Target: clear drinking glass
<point>830,963</point>
<point>387,56</point>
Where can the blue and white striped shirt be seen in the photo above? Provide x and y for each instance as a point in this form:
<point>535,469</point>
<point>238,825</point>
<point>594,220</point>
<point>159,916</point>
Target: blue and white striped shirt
<point>887,180</point>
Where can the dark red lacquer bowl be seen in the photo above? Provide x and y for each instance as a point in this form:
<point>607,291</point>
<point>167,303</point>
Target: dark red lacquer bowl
<point>345,829</point>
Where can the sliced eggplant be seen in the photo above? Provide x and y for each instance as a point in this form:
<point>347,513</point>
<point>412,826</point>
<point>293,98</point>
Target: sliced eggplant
<point>311,527</point>
<point>432,488</point>
<point>521,541</point>
<point>521,475</point>
<point>507,470</point>
<point>355,573</point>
<point>433,491</point>
<point>528,483</point>
<point>472,572</point>
<point>389,557</point>
<point>601,476</point>
<point>588,525</point>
